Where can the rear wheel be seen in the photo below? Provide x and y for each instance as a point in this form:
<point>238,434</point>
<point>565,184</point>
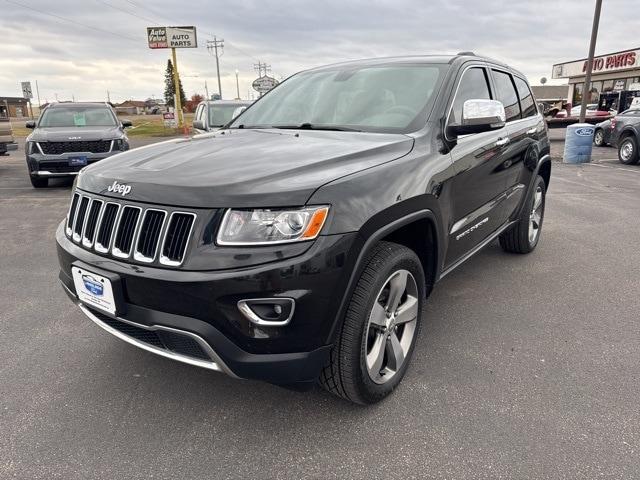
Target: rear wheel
<point>39,182</point>
<point>524,235</point>
<point>377,338</point>
<point>598,138</point>
<point>628,151</point>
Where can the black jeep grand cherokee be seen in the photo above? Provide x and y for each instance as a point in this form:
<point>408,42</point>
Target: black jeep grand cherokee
<point>299,243</point>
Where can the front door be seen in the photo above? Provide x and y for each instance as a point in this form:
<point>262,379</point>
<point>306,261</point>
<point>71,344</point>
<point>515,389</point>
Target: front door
<point>481,162</point>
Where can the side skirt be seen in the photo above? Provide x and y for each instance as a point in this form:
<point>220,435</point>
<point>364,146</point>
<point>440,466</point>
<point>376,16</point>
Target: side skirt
<point>477,248</point>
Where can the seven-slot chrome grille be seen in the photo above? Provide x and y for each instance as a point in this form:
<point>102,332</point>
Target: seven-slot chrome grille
<point>128,231</point>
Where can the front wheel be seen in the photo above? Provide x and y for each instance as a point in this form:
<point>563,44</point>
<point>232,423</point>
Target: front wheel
<point>524,235</point>
<point>628,151</point>
<point>377,338</point>
<point>598,138</point>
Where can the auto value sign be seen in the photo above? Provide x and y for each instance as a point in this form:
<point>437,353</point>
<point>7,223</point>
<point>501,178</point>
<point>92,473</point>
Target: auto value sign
<point>172,37</point>
<point>607,63</point>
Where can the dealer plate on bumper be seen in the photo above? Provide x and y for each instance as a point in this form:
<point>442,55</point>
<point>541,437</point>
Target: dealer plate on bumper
<point>94,290</point>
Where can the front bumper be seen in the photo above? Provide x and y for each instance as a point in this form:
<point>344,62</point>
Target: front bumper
<point>202,305</point>
<point>42,165</point>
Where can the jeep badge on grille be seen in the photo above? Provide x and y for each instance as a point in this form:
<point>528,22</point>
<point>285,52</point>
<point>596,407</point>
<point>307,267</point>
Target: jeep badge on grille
<point>121,188</point>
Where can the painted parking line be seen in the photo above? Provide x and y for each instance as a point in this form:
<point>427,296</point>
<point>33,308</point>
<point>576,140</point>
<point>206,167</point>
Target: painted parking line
<point>612,167</point>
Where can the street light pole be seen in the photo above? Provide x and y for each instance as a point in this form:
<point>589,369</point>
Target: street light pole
<point>592,47</point>
<point>237,86</point>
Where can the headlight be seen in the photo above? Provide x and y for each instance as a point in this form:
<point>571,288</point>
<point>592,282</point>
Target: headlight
<point>264,227</point>
<point>29,147</point>
<point>118,144</point>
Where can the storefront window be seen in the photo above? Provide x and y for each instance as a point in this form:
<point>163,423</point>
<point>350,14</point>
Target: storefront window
<point>607,86</point>
<point>577,93</point>
<point>596,88</point>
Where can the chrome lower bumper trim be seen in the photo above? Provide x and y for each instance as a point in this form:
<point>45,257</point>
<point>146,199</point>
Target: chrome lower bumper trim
<point>46,173</point>
<point>215,363</point>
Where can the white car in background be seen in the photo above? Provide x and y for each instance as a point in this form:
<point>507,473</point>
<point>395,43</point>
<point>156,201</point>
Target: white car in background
<point>214,114</point>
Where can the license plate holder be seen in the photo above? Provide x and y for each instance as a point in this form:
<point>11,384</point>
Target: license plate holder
<point>94,290</point>
<point>78,161</point>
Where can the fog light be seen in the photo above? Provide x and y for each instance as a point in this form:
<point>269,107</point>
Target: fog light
<point>271,312</point>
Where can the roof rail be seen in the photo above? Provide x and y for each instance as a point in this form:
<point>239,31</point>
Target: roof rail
<point>467,53</point>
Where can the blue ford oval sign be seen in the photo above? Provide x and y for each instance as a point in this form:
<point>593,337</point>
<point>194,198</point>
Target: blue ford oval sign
<point>584,131</point>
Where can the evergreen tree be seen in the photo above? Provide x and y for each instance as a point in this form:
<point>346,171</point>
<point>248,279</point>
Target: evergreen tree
<point>169,89</point>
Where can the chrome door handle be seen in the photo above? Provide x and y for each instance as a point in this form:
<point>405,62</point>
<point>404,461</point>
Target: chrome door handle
<point>532,131</point>
<point>502,142</point>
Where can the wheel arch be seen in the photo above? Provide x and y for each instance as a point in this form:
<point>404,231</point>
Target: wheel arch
<point>417,230</point>
<point>627,132</point>
<point>544,170</point>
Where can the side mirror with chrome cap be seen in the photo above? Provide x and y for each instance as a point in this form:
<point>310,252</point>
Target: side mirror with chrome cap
<point>479,115</point>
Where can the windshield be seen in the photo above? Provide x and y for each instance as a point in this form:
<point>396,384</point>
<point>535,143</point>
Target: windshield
<point>77,116</point>
<point>220,115</point>
<point>388,98</point>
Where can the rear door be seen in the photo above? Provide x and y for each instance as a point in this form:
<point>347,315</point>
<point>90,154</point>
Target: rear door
<point>526,129</point>
<point>479,161</point>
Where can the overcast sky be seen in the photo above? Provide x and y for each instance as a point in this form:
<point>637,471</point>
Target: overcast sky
<point>86,47</point>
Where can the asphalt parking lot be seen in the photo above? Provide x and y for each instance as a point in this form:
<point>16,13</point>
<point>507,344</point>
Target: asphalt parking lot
<point>527,367</point>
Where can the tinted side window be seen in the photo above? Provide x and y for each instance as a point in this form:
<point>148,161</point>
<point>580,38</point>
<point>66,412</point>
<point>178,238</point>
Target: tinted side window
<point>506,93</point>
<point>526,98</point>
<point>473,85</point>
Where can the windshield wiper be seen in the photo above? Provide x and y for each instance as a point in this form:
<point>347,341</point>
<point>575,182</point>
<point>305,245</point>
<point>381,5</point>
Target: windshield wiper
<point>311,126</point>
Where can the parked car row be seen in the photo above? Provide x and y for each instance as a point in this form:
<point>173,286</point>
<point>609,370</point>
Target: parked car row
<point>71,135</point>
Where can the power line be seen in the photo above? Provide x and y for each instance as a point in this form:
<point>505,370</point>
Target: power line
<point>115,7</point>
<point>97,29</point>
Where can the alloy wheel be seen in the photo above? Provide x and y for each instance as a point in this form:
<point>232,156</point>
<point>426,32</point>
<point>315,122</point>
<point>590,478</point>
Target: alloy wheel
<point>626,150</point>
<point>599,138</point>
<point>392,326</point>
<point>535,218</point>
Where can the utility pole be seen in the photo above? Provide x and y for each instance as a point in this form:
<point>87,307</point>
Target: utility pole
<point>38,94</point>
<point>261,67</point>
<point>108,97</point>
<point>592,47</point>
<point>237,86</point>
<point>176,85</point>
<point>206,91</point>
<point>213,45</point>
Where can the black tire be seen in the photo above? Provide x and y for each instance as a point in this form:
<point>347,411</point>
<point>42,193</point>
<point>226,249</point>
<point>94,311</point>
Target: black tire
<point>39,182</point>
<point>628,150</point>
<point>346,373</point>
<point>517,239</point>
<point>598,138</point>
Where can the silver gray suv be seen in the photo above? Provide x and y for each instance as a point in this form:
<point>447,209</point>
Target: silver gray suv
<point>69,136</point>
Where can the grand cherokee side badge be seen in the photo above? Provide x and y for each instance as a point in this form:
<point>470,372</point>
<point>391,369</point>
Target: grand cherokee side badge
<point>471,229</point>
<point>121,188</point>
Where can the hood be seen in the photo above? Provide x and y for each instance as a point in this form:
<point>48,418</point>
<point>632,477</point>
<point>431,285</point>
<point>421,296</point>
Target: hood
<point>242,168</point>
<point>65,134</point>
